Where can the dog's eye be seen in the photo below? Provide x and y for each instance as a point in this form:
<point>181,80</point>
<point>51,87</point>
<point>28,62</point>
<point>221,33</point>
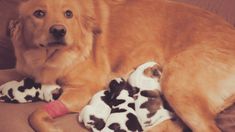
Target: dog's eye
<point>68,14</point>
<point>39,13</point>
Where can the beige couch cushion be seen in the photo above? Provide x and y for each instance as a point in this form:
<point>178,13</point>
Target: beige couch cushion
<point>14,118</point>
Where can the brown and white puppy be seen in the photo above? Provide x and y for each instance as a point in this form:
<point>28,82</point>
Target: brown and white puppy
<point>195,48</point>
<point>148,104</point>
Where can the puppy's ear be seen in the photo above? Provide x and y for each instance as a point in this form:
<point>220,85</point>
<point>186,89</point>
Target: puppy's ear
<point>154,71</point>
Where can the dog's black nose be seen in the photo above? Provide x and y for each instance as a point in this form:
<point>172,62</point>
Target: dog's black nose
<point>58,31</point>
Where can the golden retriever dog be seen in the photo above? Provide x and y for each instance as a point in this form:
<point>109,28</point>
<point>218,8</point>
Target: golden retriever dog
<point>80,44</point>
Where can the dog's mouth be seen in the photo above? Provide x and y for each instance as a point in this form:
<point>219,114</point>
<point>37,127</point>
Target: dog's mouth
<point>54,44</point>
<point>52,48</point>
<point>51,53</point>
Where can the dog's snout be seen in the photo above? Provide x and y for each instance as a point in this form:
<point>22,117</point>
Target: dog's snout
<point>58,31</point>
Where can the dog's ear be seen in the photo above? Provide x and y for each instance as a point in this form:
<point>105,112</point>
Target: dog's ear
<point>90,24</point>
<point>17,38</point>
<point>12,26</point>
<point>93,15</point>
<point>15,29</point>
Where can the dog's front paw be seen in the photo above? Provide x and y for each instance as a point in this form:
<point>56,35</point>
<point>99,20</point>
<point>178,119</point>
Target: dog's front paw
<point>40,121</point>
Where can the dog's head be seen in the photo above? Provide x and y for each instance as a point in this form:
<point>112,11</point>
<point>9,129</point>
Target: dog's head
<point>53,33</point>
<point>60,23</point>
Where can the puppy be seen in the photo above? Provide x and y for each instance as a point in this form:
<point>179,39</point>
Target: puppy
<point>95,115</point>
<point>123,116</point>
<point>149,105</point>
<point>112,110</point>
<point>67,41</point>
<point>27,91</point>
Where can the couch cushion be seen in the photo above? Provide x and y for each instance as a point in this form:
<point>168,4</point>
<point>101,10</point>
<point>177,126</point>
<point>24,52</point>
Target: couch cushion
<point>14,118</point>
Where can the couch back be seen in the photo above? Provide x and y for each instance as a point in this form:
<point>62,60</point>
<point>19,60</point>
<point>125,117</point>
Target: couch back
<point>223,8</point>
<point>8,11</point>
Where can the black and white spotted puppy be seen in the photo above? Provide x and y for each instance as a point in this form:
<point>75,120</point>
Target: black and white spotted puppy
<point>112,110</point>
<point>148,103</point>
<point>27,91</point>
<point>123,116</point>
<point>96,113</point>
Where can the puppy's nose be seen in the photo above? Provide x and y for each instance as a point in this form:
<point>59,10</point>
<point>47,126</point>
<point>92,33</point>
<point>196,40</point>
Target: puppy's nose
<point>58,31</point>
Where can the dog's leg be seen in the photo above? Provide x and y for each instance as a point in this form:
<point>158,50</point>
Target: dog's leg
<point>74,99</point>
<point>195,116</point>
<point>9,75</point>
<point>189,89</point>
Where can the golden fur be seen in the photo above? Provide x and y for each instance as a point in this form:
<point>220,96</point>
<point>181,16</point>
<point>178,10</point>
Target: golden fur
<point>195,49</point>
